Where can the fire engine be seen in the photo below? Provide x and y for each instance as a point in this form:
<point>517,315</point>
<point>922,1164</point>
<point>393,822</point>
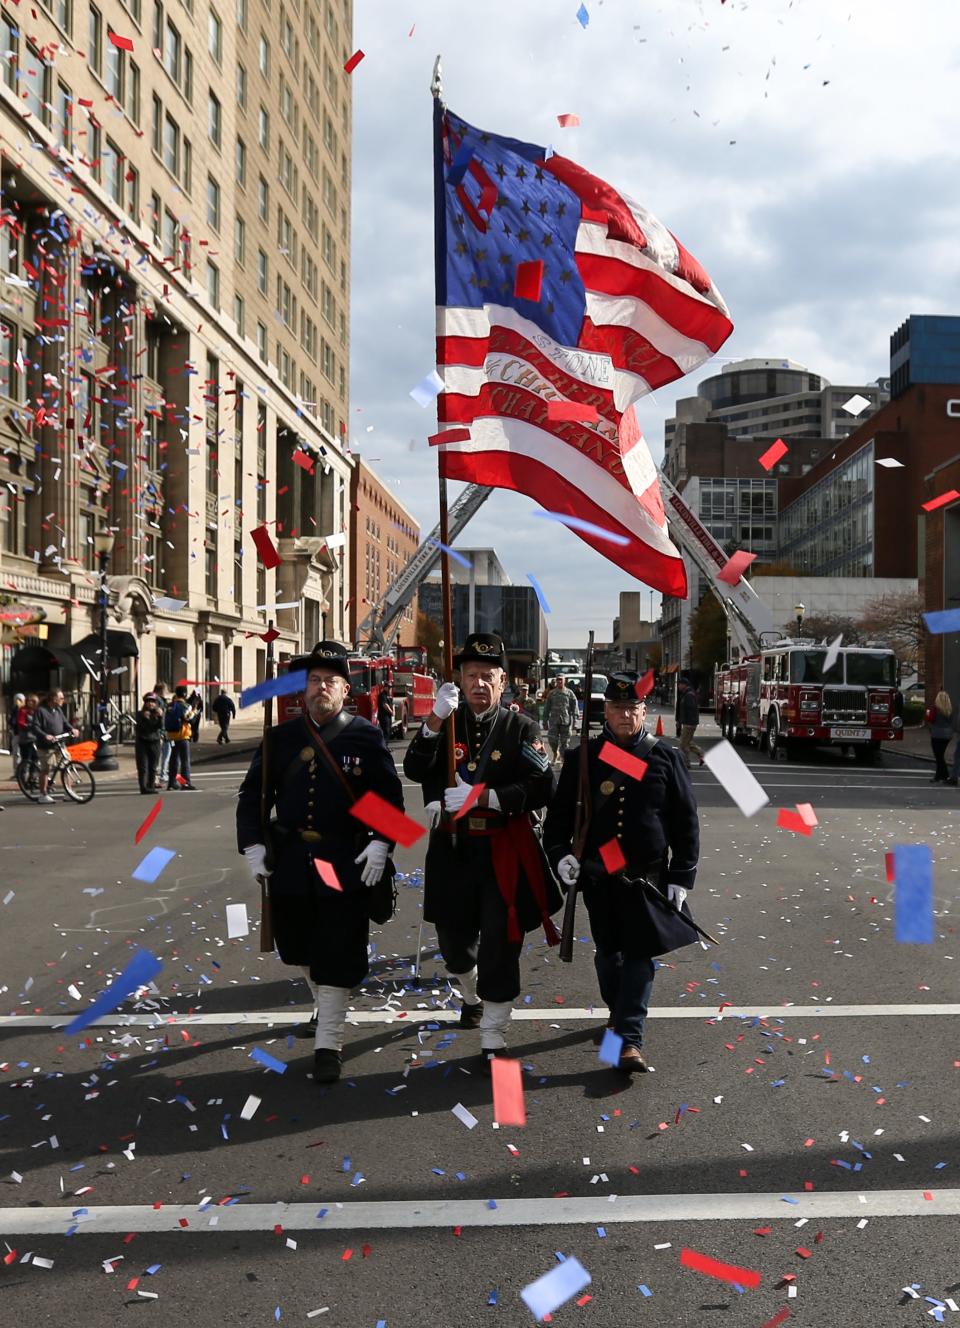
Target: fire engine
<point>784,698</point>
<point>410,687</point>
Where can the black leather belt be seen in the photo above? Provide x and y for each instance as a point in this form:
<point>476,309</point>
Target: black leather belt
<point>473,825</point>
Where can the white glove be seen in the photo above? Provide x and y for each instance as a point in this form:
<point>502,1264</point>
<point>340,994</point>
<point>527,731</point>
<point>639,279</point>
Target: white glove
<point>493,802</point>
<point>373,860</point>
<point>432,812</point>
<point>256,856</point>
<point>447,700</point>
<point>568,869</point>
<point>676,895</point>
<point>454,798</point>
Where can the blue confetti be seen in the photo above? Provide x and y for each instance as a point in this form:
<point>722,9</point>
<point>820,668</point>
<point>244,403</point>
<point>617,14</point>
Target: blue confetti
<point>943,620</point>
<point>644,1290</point>
<point>539,592</point>
<point>267,1061</point>
<point>583,16</point>
<point>450,552</point>
<point>153,864</point>
<point>283,685</point>
<point>913,894</point>
<point>577,523</point>
<point>611,1048</point>
<point>142,968</point>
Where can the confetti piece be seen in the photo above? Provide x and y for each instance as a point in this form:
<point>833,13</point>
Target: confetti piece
<point>889,463</point>
<point>267,1061</point>
<point>169,605</point>
<point>729,770</point>
<point>568,121</point>
<point>913,894</point>
<point>379,814</point>
<point>735,566</point>
<point>142,968</point>
<point>237,924</point>
<point>471,800</point>
<point>352,63</point>
<point>577,411</point>
<point>327,874</point>
<point>249,1109</point>
<point>508,1104</point>
<point>466,1117</point>
<point>450,552</point>
<point>621,760</point>
<point>773,454</point>
<point>611,1048</point>
<point>428,389</point>
<point>528,282</point>
<point>941,500</point>
<point>556,1287</point>
<point>539,592</point>
<point>645,685</point>
<point>121,43</point>
<point>283,685</point>
<point>578,523</point>
<point>723,1272</point>
<point>788,820</point>
<point>833,654</point>
<point>266,550</point>
<point>781,1316</point>
<point>942,620</point>
<point>449,436</point>
<point>856,405</point>
<point>148,820</point>
<point>611,854</point>
<point>583,16</point>
<point>153,864</point>
<point>11,894</point>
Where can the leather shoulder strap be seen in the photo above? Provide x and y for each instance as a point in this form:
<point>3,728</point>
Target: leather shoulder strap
<point>647,743</point>
<point>325,752</point>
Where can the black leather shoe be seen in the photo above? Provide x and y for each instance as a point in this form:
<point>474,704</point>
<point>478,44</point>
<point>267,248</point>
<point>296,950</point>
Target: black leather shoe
<point>470,1015</point>
<point>327,1065</point>
<point>306,1030</point>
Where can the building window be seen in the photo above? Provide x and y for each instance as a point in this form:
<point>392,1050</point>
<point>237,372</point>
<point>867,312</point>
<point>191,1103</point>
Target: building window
<point>93,149</point>
<point>213,284</point>
<point>261,272</point>
<point>133,191</point>
<point>214,120</point>
<point>62,117</point>
<point>173,53</point>
<point>35,80</point>
<point>133,93</point>
<point>264,56</point>
<point>241,87</point>
<point>239,313</point>
<point>115,71</point>
<point>156,125</point>
<point>215,36</point>
<point>239,239</point>
<point>210,570</point>
<point>213,203</point>
<point>262,342</point>
<point>263,199</point>
<point>113,172</point>
<point>242,15</point>
<point>241,163</point>
<point>9,51</point>
<point>95,40</point>
<point>328,248</point>
<point>171,145</point>
<point>171,236</point>
<point>263,128</point>
<point>155,214</point>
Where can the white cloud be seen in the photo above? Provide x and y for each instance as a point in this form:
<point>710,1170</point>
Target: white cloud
<point>826,223</point>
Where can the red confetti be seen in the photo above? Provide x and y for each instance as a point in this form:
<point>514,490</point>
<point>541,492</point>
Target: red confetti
<point>788,820</point>
<point>303,459</point>
<point>449,436</point>
<point>577,411</point>
<point>645,685</point>
<point>941,500</point>
<point>773,454</point>
<point>352,63</point>
<point>268,636</point>
<point>472,797</point>
<point>613,755</point>
<point>122,43</point>
<point>528,280</point>
<point>148,820</point>
<point>327,874</point>
<point>735,566</point>
<point>612,856</point>
<point>347,1254</point>
<point>265,547</point>
<point>568,121</point>
<point>508,1104</point>
<point>781,1316</point>
<point>723,1272</point>
<point>379,814</point>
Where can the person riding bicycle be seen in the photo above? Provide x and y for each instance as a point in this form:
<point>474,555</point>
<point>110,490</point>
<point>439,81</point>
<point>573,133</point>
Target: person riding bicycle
<point>50,726</point>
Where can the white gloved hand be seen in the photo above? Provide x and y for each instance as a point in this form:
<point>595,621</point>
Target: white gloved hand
<point>493,802</point>
<point>454,798</point>
<point>676,894</point>
<point>256,856</point>
<point>447,700</point>
<point>372,861</point>
<point>432,811</point>
<point>568,869</point>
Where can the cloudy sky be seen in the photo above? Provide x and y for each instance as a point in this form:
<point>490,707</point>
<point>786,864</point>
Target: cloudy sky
<point>803,150</point>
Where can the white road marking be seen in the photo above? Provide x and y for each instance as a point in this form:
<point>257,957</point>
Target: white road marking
<point>522,1014</point>
<point>411,1214</point>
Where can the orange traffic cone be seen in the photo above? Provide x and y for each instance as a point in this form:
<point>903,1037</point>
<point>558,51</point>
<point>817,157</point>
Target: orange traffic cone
<point>659,730</point>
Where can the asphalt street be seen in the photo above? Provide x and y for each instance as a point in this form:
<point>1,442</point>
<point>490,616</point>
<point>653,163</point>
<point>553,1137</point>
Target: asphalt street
<point>800,1119</point>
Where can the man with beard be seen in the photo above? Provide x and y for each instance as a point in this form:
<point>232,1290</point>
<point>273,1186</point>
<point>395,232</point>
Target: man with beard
<point>320,859</point>
<point>653,822</point>
<point>486,882</point>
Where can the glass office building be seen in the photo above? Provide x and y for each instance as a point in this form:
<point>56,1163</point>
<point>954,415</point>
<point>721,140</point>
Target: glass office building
<point>828,530</point>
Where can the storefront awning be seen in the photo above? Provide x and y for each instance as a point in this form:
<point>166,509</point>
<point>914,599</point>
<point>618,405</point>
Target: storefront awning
<point>31,666</point>
<point>120,645</point>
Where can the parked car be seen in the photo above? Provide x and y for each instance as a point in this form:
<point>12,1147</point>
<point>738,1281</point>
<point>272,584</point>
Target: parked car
<point>575,681</point>
<point>915,692</point>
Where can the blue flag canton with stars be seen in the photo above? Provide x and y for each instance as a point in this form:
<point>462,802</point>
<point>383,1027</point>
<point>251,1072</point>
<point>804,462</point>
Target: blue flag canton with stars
<point>533,217</point>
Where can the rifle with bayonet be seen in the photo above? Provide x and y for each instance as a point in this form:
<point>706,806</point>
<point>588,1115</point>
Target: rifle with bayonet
<point>581,823</point>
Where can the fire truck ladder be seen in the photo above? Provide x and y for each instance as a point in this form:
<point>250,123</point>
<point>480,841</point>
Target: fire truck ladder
<point>748,616</point>
<point>379,629</point>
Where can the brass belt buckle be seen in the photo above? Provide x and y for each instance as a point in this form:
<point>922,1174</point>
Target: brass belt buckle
<point>311,836</point>
<point>476,823</point>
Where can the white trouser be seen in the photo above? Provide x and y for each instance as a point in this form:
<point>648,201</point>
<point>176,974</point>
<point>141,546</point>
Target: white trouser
<point>468,985</point>
<point>331,1014</point>
<point>493,1025</point>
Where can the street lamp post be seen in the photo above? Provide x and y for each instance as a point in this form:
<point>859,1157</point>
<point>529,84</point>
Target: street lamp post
<point>799,610</point>
<point>103,547</point>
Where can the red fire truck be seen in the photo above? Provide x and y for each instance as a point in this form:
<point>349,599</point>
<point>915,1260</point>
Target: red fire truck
<point>783,699</point>
<point>414,689</point>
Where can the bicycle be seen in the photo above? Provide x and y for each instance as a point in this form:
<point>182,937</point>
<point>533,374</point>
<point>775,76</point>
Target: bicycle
<point>76,779</point>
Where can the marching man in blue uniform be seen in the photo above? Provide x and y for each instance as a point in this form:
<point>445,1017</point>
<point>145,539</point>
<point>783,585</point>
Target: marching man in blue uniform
<point>486,880</point>
<point>651,823</point>
<point>318,765</point>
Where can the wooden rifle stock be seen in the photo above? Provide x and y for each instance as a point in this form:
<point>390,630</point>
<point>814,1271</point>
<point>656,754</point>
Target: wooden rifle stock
<point>266,915</point>
<point>581,823</point>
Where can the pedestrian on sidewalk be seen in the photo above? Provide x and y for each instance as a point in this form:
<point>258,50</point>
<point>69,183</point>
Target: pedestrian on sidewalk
<point>321,922</point>
<point>19,705</point>
<point>149,739</point>
<point>939,720</point>
<point>160,692</point>
<point>955,771</point>
<point>688,714</point>
<point>385,715</point>
<point>178,727</point>
<point>195,702</point>
<point>50,724</point>
<point>225,710</point>
<point>560,714</point>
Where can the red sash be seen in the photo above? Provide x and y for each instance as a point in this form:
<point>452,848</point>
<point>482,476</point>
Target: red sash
<point>511,845</point>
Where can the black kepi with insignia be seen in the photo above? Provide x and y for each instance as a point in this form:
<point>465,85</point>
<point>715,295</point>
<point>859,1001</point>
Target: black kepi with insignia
<point>324,655</point>
<point>622,687</point>
<point>482,648</point>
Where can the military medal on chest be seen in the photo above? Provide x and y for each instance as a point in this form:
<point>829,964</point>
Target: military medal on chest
<point>607,787</point>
